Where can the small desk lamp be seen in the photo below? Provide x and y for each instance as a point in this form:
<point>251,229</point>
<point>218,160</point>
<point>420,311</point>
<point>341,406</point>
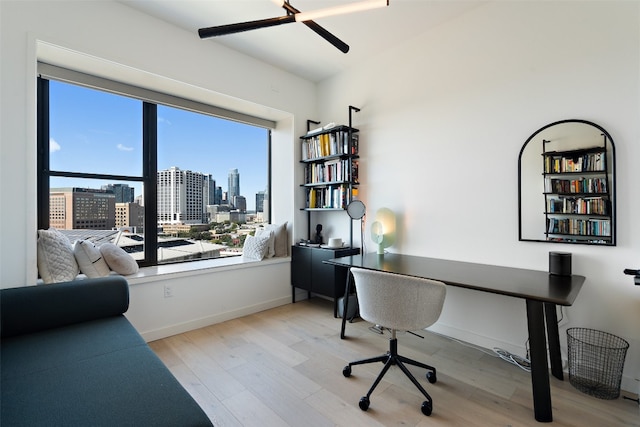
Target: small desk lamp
<point>383,229</point>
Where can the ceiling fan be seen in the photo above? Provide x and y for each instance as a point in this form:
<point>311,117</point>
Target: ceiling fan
<point>294,15</point>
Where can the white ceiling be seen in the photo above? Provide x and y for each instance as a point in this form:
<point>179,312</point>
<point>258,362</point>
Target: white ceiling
<point>294,47</point>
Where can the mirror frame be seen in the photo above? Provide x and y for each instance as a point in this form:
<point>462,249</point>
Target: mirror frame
<point>612,174</point>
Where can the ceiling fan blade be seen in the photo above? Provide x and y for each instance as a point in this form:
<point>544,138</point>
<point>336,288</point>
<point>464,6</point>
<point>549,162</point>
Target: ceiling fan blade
<point>222,30</point>
<point>339,44</point>
<point>342,46</point>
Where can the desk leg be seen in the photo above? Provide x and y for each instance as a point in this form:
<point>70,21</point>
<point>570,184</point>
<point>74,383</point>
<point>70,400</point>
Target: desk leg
<point>554,340</point>
<point>345,304</point>
<point>539,369</point>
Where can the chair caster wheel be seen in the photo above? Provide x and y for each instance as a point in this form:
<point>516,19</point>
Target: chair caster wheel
<point>427,408</point>
<point>431,377</point>
<point>364,403</point>
<point>346,371</point>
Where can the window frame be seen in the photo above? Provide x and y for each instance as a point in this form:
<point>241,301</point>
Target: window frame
<point>150,101</point>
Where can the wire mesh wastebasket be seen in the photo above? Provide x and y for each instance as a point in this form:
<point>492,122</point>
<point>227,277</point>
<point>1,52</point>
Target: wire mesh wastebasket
<point>596,360</point>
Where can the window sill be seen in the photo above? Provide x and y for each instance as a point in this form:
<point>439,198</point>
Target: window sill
<point>194,268</point>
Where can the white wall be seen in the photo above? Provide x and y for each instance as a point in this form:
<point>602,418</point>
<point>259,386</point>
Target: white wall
<point>203,297</point>
<point>443,119</point>
<point>108,38</point>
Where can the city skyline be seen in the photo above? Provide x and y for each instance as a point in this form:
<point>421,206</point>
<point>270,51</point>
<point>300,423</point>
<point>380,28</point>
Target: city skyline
<point>97,132</point>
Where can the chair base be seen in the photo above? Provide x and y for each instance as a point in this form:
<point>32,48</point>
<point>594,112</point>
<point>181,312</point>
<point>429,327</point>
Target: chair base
<point>393,358</point>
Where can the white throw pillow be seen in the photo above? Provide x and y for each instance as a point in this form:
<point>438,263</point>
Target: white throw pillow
<point>255,247</point>
<point>281,244</point>
<point>272,240</point>
<point>56,262</point>
<point>89,259</point>
<point>118,260</point>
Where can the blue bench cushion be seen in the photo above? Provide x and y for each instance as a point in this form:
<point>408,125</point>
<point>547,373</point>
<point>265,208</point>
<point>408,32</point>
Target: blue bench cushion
<point>98,373</point>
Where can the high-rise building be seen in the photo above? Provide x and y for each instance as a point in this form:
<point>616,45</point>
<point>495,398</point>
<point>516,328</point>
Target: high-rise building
<point>218,196</point>
<point>208,196</point>
<point>234,185</point>
<point>209,190</point>
<point>81,208</point>
<point>240,203</point>
<point>260,201</point>
<point>180,197</point>
<point>266,213</point>
<point>129,215</point>
<point>122,192</point>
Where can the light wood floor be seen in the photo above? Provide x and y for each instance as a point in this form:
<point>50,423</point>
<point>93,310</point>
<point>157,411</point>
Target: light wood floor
<point>283,367</point>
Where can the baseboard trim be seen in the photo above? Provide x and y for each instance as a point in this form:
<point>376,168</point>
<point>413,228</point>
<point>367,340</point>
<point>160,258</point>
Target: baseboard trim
<point>477,340</point>
<point>183,327</point>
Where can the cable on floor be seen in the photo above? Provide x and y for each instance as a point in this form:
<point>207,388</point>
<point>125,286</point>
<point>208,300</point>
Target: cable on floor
<point>521,362</point>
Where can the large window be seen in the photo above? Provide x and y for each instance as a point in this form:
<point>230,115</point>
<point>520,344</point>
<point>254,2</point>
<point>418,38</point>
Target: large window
<point>167,181</point>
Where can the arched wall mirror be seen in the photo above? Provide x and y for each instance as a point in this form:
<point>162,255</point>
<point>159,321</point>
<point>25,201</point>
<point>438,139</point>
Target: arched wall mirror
<point>566,177</point>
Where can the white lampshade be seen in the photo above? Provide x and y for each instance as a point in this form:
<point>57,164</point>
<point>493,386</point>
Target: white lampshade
<point>383,229</point>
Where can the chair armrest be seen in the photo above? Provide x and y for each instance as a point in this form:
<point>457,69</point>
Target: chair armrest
<point>31,309</point>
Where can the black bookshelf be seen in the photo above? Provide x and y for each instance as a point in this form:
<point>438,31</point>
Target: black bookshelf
<point>577,193</point>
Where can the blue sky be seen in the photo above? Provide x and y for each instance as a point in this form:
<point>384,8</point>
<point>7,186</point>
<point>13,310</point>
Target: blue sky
<point>97,132</point>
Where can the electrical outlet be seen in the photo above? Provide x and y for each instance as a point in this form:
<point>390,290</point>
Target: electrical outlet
<point>168,291</point>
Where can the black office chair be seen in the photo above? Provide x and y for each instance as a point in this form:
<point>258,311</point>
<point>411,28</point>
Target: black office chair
<point>402,303</point>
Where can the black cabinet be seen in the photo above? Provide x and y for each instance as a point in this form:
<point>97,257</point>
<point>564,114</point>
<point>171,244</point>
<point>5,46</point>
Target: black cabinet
<point>308,271</point>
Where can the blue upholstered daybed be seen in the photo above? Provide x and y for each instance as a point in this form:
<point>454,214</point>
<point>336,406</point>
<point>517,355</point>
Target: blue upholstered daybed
<point>68,357</point>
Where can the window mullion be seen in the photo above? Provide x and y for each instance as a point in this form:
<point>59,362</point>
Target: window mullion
<point>269,168</point>
<point>43,154</point>
<point>95,176</point>
<point>150,169</point>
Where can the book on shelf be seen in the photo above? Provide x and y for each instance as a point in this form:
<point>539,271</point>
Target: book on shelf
<point>316,130</point>
<point>355,140</point>
<point>334,170</point>
<point>329,144</point>
<point>567,163</point>
<point>579,205</point>
<point>580,227</point>
<point>332,197</point>
<point>582,185</point>
<point>354,171</point>
<point>312,199</point>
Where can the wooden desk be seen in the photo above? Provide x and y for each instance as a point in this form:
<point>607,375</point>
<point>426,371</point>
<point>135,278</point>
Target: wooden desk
<point>541,291</point>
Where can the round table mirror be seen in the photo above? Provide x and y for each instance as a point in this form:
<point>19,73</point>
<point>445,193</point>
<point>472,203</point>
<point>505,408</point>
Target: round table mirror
<point>356,209</point>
